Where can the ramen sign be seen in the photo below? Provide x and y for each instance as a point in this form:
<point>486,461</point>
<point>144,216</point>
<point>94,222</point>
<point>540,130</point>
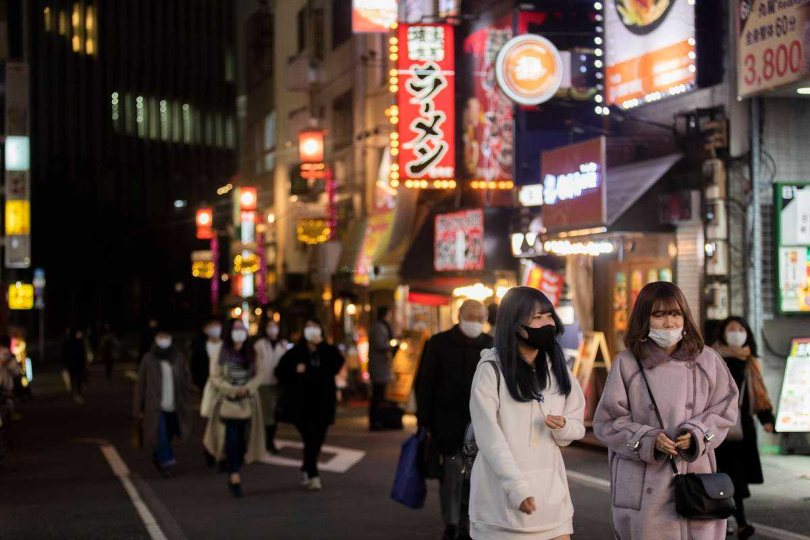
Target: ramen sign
<point>529,69</point>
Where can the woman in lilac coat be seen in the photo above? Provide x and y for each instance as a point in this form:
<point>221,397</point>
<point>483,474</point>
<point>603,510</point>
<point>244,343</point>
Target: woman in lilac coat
<point>697,398</point>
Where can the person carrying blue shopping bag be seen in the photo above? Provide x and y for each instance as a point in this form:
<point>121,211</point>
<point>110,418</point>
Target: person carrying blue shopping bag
<point>409,484</point>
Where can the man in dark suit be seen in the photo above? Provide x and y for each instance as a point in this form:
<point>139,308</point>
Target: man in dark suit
<point>443,404</point>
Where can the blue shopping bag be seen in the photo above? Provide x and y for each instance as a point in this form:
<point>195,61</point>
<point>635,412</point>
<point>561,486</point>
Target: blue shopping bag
<point>409,484</point>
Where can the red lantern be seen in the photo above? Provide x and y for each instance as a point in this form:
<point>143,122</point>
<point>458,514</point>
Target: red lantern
<point>205,221</point>
<point>310,146</point>
<point>247,199</point>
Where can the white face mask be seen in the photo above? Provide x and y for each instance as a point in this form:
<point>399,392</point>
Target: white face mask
<point>272,331</point>
<point>215,332</point>
<point>471,329</point>
<point>239,335</point>
<point>736,338</point>
<point>666,338</point>
<point>163,343</point>
<point>313,334</point>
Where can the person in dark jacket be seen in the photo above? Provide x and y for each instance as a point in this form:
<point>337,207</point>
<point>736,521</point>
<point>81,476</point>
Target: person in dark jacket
<point>443,404</point>
<point>309,395</point>
<point>206,347</point>
<point>740,458</point>
<point>162,400</point>
<point>380,358</point>
<point>74,359</point>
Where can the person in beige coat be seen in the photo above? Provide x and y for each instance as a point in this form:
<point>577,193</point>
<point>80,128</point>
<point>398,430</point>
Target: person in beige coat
<point>525,405</point>
<point>697,398</point>
<point>235,427</point>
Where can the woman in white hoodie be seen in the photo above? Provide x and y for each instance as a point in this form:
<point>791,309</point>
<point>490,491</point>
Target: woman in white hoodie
<point>525,404</point>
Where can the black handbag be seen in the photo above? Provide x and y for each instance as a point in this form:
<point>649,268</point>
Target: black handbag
<point>431,463</point>
<point>697,496</point>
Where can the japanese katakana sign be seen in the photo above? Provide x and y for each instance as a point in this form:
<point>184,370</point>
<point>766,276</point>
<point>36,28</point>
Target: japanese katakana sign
<point>426,99</point>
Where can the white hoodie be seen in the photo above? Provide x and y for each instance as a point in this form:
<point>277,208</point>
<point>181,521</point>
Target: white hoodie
<point>519,456</point>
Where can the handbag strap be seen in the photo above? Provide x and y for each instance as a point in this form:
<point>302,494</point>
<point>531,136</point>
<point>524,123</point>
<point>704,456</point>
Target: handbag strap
<point>657,412</point>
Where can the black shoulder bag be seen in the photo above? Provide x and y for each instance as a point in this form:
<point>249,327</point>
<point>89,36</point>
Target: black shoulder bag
<point>697,496</point>
<point>470,449</point>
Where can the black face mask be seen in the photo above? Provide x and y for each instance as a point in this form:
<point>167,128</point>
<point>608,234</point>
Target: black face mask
<point>541,338</point>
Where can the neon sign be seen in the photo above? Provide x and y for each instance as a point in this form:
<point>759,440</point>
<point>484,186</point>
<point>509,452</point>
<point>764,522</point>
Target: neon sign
<point>564,187</point>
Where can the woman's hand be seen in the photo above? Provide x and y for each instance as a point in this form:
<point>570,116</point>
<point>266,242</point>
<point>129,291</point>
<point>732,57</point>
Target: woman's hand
<point>666,445</point>
<point>301,368</point>
<point>684,441</point>
<point>768,427</point>
<point>555,422</point>
<point>528,507</point>
<point>241,392</point>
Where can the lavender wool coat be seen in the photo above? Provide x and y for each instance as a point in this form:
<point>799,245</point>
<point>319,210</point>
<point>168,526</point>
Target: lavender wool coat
<point>695,395</point>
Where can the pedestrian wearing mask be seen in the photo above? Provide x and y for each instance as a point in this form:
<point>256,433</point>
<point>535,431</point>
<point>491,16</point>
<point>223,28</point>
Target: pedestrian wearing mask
<point>380,359</point>
<point>9,371</point>
<point>269,349</point>
<point>235,427</point>
<point>309,395</point>
<point>443,405</point>
<point>205,353</point>
<point>697,400</point>
<point>162,400</point>
<point>739,455</point>
<point>525,405</point>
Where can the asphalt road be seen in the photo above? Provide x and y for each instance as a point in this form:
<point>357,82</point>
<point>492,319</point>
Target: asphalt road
<point>78,477</point>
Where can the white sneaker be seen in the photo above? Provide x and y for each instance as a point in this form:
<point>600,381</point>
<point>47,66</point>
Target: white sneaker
<point>305,481</point>
<point>315,484</point>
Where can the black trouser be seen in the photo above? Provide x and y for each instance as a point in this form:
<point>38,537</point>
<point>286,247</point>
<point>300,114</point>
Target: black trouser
<point>377,400</point>
<point>739,513</point>
<point>235,444</point>
<point>313,432</point>
<point>77,381</point>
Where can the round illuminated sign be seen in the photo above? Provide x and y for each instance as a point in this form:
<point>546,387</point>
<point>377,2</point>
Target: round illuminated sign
<point>529,69</point>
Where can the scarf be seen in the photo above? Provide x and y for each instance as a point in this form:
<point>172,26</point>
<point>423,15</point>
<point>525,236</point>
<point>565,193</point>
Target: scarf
<point>757,392</point>
<point>656,356</point>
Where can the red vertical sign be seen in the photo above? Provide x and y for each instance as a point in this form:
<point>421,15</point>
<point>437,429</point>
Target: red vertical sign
<point>426,102</point>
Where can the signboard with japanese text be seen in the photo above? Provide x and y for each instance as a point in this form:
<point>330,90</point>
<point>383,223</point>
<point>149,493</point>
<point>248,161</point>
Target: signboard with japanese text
<point>426,102</point>
<point>773,44</point>
<point>794,402</point>
<point>488,124</point>
<point>650,50</point>
<point>529,69</point>
<point>573,186</point>
<point>792,201</point>
<point>21,296</point>
<point>405,366</point>
<point>544,280</point>
<point>379,228</point>
<point>370,16</point>
<point>459,241</point>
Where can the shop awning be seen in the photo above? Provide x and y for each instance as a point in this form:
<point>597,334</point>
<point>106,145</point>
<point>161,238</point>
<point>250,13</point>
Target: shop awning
<point>418,266</point>
<point>352,244</point>
<point>627,184</point>
<point>389,256</point>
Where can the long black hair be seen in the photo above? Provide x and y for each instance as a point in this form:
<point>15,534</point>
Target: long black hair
<point>750,341</point>
<point>516,309</point>
<point>247,351</point>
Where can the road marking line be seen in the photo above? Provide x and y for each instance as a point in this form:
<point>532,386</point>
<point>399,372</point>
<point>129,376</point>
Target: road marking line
<point>764,530</point>
<point>344,459</point>
<point>122,472</point>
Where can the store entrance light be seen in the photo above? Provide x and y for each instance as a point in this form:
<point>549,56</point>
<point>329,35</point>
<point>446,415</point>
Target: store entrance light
<point>805,91</point>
